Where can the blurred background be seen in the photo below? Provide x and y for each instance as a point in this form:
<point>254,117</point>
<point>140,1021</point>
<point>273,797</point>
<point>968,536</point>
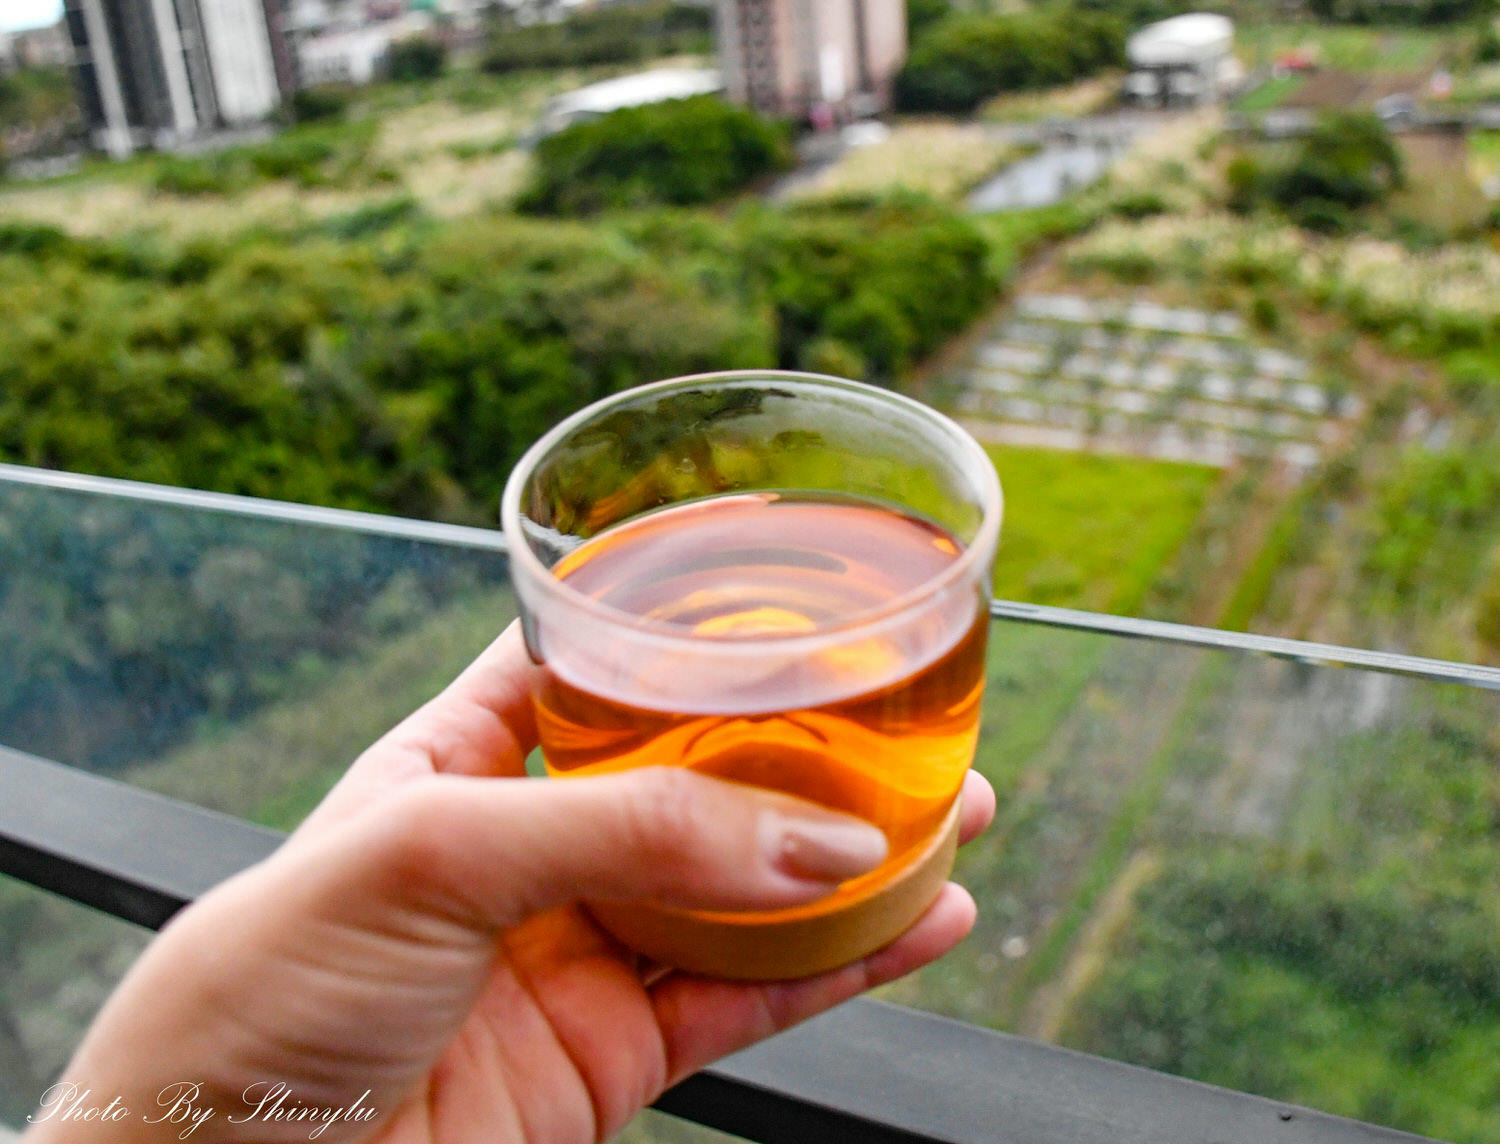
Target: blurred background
<point>1218,287</point>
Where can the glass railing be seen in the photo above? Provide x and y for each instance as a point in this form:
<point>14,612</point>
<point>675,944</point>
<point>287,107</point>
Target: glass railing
<point>1264,864</point>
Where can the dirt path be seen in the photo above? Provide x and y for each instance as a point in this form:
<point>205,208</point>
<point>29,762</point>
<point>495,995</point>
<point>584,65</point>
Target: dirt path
<point>1049,1005</point>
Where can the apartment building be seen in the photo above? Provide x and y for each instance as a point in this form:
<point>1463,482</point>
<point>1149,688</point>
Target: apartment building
<point>811,58</point>
<point>157,73</point>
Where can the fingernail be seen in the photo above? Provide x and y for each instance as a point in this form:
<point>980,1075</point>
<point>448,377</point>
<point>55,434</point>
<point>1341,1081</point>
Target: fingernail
<point>824,850</point>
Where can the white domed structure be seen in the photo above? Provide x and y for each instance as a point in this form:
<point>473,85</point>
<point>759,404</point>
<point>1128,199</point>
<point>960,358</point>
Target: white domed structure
<point>1187,59</point>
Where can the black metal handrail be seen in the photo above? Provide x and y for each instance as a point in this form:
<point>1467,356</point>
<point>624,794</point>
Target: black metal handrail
<point>866,1072</point>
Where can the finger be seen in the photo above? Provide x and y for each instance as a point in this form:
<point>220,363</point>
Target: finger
<point>483,722</point>
<point>493,853</point>
<point>480,724</point>
<point>976,807</point>
<point>703,1019</point>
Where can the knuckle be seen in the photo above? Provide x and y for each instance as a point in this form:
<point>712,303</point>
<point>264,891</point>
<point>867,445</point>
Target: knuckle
<point>413,831</point>
<point>667,815</point>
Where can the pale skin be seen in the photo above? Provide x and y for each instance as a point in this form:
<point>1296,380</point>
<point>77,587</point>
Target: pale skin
<point>420,938</point>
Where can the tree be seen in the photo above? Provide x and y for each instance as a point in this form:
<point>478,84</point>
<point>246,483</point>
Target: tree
<point>418,58</point>
<point>682,151</point>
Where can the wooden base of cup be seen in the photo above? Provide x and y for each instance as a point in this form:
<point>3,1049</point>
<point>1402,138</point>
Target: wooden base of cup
<point>745,948</point>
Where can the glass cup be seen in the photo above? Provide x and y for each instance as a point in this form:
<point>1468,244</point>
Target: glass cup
<point>777,579</point>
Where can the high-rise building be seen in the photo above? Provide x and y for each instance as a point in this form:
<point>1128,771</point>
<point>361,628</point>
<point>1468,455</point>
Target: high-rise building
<point>158,72</point>
<point>795,57</point>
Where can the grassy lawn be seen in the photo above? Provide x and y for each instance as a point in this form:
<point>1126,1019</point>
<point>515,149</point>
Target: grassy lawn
<point>1348,48</point>
<point>1484,155</point>
<point>1270,94</point>
<point>1090,531</point>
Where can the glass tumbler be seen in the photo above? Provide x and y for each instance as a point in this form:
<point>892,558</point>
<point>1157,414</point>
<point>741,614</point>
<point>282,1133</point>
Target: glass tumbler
<point>777,579</point>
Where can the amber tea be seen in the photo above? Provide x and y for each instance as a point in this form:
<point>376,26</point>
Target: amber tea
<point>776,564</point>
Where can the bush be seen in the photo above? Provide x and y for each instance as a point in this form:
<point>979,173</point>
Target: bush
<point>969,57</point>
<point>1399,11</point>
<point>418,58</point>
<point>1348,162</point>
<point>328,101</point>
<point>1486,42</point>
<point>614,34</point>
<point>191,176</point>
<point>679,152</point>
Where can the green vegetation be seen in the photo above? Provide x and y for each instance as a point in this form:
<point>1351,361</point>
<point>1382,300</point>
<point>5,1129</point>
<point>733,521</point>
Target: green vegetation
<point>680,152</point>
<point>406,368</point>
<point>419,58</point>
<point>1400,11</point>
<point>1270,94</point>
<point>326,101</point>
<point>37,99</point>
<point>614,34</point>
<point>1349,162</point>
<point>1355,48</point>
<point>1346,963</point>
<point>968,57</point>
<point>1091,531</point>
<point>317,155</point>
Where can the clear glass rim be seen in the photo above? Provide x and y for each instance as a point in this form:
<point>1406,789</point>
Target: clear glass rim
<point>973,459</point>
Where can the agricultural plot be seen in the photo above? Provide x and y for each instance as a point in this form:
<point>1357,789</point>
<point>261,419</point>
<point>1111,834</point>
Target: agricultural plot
<point>1274,876</point>
<point>1346,47</point>
<point>1134,377</point>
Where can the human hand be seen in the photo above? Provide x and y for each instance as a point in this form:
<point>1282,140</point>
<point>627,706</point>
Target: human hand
<point>417,948</point>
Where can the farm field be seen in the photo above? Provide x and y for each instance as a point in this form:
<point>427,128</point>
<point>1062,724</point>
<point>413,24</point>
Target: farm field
<point>1347,48</point>
<point>1091,531</point>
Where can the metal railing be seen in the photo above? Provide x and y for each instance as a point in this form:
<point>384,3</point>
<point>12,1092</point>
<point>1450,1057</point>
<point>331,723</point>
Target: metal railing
<point>868,1071</point>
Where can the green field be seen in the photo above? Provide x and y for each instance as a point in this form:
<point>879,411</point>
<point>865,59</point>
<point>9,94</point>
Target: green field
<point>1270,94</point>
<point>1087,530</point>
<point>1348,47</point>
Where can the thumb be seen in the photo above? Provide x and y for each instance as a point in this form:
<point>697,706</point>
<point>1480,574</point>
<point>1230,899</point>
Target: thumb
<point>494,851</point>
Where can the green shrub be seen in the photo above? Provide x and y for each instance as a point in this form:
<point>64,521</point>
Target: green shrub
<point>613,34</point>
<point>327,101</point>
<point>212,175</point>
<point>1346,164</point>
<point>1486,42</point>
<point>418,58</point>
<point>968,57</point>
<point>1400,11</point>
<point>1265,314</point>
<point>679,152</point>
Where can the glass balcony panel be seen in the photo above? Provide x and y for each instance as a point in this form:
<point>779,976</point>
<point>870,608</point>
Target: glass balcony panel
<point>1278,876</point>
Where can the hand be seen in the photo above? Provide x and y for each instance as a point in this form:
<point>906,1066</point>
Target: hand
<point>418,940</point>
